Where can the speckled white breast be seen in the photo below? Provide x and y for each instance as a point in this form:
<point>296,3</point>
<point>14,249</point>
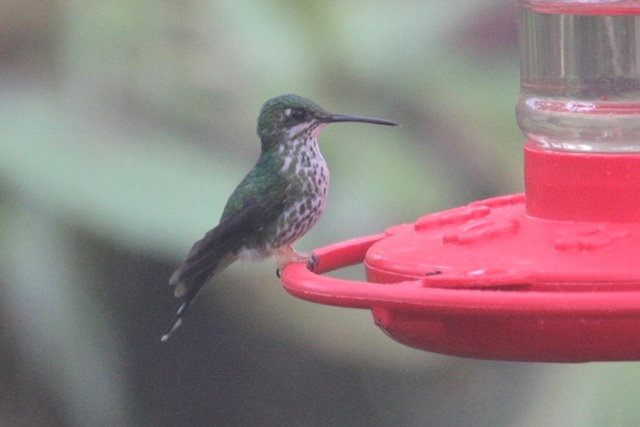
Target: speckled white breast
<point>308,176</point>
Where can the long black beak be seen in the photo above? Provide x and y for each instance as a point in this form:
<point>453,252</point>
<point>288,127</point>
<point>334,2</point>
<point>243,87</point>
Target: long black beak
<point>347,118</point>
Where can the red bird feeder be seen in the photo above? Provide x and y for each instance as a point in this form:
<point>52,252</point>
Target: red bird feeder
<point>549,276</point>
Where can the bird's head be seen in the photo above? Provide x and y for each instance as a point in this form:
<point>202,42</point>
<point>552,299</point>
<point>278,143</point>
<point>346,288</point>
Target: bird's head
<point>286,117</point>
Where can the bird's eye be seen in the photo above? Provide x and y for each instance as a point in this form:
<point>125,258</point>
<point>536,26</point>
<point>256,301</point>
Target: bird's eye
<point>298,114</point>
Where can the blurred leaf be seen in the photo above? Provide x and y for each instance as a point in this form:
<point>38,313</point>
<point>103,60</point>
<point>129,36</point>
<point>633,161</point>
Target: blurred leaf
<point>155,193</point>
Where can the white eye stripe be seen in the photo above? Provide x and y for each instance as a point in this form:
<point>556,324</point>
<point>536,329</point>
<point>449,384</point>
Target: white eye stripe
<point>287,112</point>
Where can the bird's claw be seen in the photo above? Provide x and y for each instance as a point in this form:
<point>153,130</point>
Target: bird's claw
<point>311,260</point>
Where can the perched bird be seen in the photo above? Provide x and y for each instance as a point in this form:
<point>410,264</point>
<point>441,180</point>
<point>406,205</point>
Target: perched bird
<point>279,200</point>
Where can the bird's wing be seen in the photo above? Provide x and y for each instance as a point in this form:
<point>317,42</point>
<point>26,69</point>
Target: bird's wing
<point>220,246</point>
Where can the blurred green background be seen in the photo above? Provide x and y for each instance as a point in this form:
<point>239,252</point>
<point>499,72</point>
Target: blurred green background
<point>124,126</point>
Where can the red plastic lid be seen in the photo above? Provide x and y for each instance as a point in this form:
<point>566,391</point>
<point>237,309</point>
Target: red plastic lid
<point>553,279</point>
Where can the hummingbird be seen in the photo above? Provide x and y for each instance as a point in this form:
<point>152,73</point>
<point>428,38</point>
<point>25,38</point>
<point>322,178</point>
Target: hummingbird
<point>276,203</point>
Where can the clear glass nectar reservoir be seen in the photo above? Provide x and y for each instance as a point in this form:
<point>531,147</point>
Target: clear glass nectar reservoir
<point>580,74</point>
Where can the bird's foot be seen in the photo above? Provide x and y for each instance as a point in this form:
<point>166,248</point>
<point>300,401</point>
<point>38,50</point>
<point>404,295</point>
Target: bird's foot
<point>287,255</point>
<point>312,261</point>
